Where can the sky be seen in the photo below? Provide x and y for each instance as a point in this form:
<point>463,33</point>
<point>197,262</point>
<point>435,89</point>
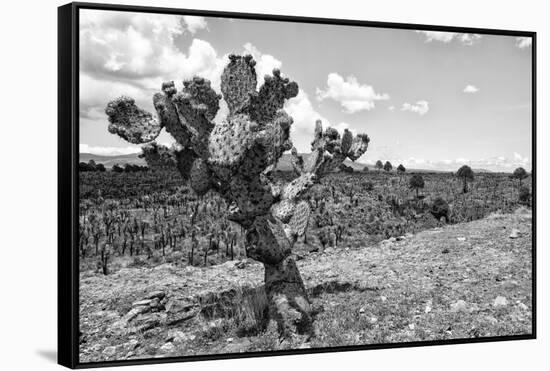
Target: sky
<point>427,100</point>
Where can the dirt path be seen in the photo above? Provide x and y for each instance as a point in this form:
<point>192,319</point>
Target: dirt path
<point>463,280</point>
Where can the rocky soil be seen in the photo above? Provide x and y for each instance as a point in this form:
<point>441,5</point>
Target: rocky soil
<point>460,281</point>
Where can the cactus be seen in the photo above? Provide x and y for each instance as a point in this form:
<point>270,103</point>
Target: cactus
<point>234,158</point>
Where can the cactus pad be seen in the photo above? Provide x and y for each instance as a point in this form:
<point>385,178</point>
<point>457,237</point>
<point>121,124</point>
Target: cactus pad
<point>229,142</point>
<point>239,83</point>
<point>299,220</point>
<point>130,122</point>
<point>271,97</point>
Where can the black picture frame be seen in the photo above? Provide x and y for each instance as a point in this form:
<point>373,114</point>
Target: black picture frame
<point>68,135</point>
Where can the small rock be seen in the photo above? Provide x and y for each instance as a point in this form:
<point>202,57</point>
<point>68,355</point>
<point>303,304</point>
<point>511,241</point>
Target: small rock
<point>156,294</point>
<point>383,298</point>
<point>428,308</point>
<point>411,326</point>
<point>400,238</point>
<point>445,251</point>
<point>461,239</point>
<point>459,306</point>
<point>522,306</point>
<point>141,302</point>
<point>134,312</point>
<point>238,347</point>
<point>131,345</point>
<point>167,348</point>
<point>491,320</point>
<point>241,264</point>
<point>109,351</point>
<point>515,233</point>
<point>500,301</point>
<point>362,310</point>
<point>373,320</point>
<point>229,340</point>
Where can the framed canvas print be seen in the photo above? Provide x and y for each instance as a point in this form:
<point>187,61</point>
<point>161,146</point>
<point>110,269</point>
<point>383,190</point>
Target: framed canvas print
<point>239,185</point>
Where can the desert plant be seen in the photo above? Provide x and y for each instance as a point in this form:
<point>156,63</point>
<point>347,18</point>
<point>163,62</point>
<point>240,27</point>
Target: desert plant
<point>379,165</point>
<point>467,175</point>
<point>519,174</point>
<point>117,168</point>
<point>524,196</point>
<point>235,158</point>
<point>416,182</point>
<point>440,209</point>
<point>387,166</point>
<point>401,168</point>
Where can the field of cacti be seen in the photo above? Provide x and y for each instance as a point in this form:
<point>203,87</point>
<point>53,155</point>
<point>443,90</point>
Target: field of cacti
<point>163,273</point>
<point>148,218</point>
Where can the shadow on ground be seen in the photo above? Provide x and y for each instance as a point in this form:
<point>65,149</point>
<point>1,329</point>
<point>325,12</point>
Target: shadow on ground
<point>50,355</point>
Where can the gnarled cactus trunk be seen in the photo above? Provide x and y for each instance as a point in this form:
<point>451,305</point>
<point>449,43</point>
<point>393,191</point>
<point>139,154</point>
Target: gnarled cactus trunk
<point>235,158</point>
<point>289,304</point>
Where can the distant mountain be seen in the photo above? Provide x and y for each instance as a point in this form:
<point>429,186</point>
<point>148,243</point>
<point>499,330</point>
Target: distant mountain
<point>109,161</point>
<point>284,164</point>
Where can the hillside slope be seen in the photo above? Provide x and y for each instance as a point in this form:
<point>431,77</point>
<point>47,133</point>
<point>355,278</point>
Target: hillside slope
<point>460,281</point>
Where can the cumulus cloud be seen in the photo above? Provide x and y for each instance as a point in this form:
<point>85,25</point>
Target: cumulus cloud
<point>470,89</point>
<point>351,95</point>
<point>194,23</point>
<point>524,42</point>
<point>447,37</point>
<point>421,107</point>
<point>140,48</point>
<point>124,53</point>
<point>304,116</point>
<point>391,108</point>
<point>265,63</point>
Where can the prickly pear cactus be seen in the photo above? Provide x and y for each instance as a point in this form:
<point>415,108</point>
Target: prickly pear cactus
<point>234,158</point>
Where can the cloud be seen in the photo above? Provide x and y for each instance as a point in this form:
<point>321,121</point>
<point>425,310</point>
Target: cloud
<point>470,89</point>
<point>391,108</point>
<point>265,63</point>
<point>524,42</point>
<point>351,95</point>
<point>123,53</point>
<point>194,23</point>
<point>141,49</point>
<point>421,107</point>
<point>108,151</point>
<point>447,37</point>
<point>304,116</point>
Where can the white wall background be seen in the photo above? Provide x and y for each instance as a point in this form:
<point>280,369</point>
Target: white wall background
<point>29,181</point>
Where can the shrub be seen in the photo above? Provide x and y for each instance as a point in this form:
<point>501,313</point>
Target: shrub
<point>416,182</point>
<point>524,195</point>
<point>467,175</point>
<point>440,208</point>
<point>519,174</point>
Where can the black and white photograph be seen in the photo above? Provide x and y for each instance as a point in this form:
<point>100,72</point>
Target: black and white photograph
<point>248,186</point>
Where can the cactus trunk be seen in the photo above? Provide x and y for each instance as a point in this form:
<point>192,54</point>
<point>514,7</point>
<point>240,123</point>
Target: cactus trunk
<point>288,302</point>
